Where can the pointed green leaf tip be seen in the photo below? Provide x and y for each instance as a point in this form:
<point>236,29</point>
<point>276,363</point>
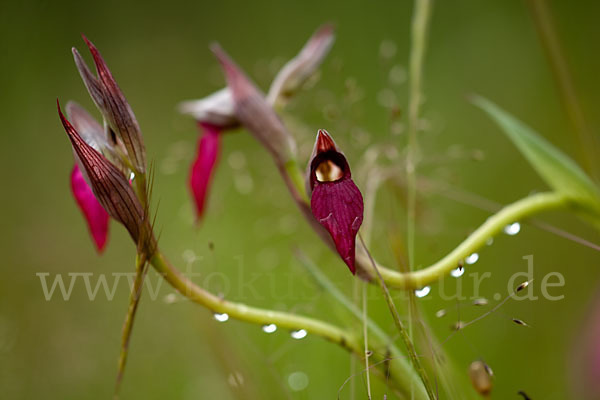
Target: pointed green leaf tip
<point>559,171</point>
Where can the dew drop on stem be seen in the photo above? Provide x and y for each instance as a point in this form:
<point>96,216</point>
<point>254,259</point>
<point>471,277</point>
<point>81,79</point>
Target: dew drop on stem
<point>472,259</point>
<point>512,229</point>
<point>299,334</point>
<point>221,317</point>
<point>270,328</point>
<point>424,291</point>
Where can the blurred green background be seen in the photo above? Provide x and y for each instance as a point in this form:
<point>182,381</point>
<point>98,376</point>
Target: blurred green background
<point>158,52</point>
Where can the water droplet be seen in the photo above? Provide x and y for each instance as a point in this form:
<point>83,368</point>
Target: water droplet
<point>269,328</point>
<point>490,241</point>
<point>298,381</point>
<point>131,176</point>
<point>472,259</point>
<point>512,229</point>
<point>424,291</point>
<point>480,302</point>
<point>457,272</point>
<point>170,298</point>
<point>299,334</point>
<point>221,317</point>
<point>440,313</point>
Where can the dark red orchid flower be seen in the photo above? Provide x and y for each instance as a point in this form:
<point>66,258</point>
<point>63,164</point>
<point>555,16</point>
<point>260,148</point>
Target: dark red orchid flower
<point>335,200</point>
<point>201,171</point>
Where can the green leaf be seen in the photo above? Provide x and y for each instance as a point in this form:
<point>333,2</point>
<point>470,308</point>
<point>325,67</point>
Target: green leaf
<point>559,171</point>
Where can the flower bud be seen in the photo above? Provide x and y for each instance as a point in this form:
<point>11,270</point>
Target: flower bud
<point>335,201</point>
<point>297,71</point>
<point>108,183</point>
<point>114,107</point>
<point>253,111</point>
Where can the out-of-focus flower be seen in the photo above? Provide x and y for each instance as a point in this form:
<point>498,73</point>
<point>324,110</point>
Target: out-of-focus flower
<point>218,110</point>
<point>109,185</point>
<point>253,111</point>
<point>335,200</point>
<point>585,357</point>
<point>201,171</point>
<point>114,107</point>
<point>297,71</point>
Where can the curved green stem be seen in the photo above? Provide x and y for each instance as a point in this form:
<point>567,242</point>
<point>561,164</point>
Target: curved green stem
<point>516,211</point>
<point>254,315</point>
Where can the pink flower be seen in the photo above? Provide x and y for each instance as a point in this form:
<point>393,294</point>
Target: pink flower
<point>201,171</point>
<point>93,212</point>
<point>335,200</point>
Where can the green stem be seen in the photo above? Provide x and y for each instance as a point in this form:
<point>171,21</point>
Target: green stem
<point>254,315</point>
<point>378,340</point>
<point>516,211</point>
<point>420,22</point>
<point>404,334</point>
<point>292,170</point>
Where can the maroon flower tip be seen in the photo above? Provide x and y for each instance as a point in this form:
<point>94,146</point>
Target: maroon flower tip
<point>324,142</point>
<point>98,60</point>
<point>335,201</point>
<point>95,215</point>
<point>201,171</point>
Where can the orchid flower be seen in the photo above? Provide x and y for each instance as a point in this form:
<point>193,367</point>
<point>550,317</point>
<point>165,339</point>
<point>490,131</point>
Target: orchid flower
<point>109,186</point>
<point>219,111</point>
<point>335,201</point>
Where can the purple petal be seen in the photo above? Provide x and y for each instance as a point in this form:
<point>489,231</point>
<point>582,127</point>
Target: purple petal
<point>201,171</point>
<point>338,206</point>
<point>94,214</point>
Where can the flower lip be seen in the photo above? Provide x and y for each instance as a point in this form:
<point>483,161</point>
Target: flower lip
<point>327,163</point>
<point>328,167</point>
